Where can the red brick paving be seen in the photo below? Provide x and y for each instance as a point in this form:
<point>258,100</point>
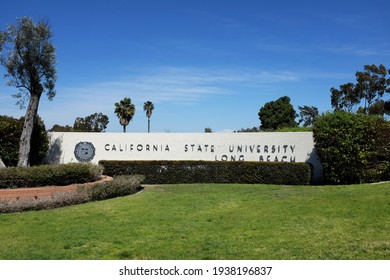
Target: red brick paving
<point>42,192</point>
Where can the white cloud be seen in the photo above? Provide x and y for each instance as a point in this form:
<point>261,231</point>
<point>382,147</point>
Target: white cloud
<point>359,51</point>
<point>186,86</point>
<point>176,84</point>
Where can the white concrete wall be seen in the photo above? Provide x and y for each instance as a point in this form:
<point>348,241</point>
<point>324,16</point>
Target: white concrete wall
<point>267,146</point>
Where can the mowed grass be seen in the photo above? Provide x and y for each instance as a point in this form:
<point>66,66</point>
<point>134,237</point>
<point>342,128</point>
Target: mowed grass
<point>210,221</point>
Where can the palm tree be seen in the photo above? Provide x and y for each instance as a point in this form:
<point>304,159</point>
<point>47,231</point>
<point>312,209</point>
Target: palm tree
<point>125,111</point>
<point>148,108</point>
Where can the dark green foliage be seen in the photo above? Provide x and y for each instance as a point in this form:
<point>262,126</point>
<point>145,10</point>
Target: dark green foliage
<point>93,123</point>
<point>177,172</point>
<point>253,129</point>
<point>277,114</point>
<point>308,115</point>
<point>44,175</point>
<point>10,132</point>
<point>353,148</point>
<point>371,86</point>
<point>60,128</point>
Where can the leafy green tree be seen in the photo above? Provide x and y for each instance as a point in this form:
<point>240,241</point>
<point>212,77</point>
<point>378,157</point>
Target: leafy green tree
<point>148,108</point>
<point>387,107</point>
<point>253,129</point>
<point>372,84</point>
<point>29,59</point>
<point>93,123</point>
<point>10,131</point>
<point>277,114</point>
<point>378,108</point>
<point>60,128</point>
<point>370,87</point>
<point>345,98</point>
<point>308,115</point>
<point>125,111</point>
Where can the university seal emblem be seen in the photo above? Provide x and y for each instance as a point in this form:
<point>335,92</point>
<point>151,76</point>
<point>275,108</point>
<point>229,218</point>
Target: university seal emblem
<point>84,151</point>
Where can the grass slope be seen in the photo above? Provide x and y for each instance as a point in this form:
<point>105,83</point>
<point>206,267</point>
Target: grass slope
<point>210,221</point>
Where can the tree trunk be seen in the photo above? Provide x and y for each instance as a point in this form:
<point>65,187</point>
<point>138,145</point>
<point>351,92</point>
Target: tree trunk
<point>124,129</point>
<point>2,165</point>
<point>25,139</point>
<point>148,125</point>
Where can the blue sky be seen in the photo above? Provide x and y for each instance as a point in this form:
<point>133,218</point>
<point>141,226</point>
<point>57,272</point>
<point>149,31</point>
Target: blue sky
<point>202,63</point>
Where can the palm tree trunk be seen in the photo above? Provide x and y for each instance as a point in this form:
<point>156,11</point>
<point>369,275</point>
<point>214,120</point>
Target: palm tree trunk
<point>25,139</point>
<point>148,125</point>
<point>124,129</point>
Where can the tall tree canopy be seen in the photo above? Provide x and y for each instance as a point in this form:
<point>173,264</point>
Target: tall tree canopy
<point>29,58</point>
<point>369,90</point>
<point>308,115</point>
<point>93,123</point>
<point>278,114</point>
<point>148,108</point>
<point>125,111</point>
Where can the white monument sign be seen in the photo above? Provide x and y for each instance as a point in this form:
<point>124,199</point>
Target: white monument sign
<point>68,147</point>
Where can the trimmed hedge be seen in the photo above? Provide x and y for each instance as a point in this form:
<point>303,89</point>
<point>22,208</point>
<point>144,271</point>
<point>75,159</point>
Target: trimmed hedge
<point>120,186</point>
<point>186,172</point>
<point>44,175</point>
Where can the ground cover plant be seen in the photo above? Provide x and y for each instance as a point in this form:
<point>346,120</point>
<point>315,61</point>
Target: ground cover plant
<point>210,221</point>
<point>119,186</point>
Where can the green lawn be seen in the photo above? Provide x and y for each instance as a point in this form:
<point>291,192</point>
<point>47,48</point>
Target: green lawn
<point>213,221</point>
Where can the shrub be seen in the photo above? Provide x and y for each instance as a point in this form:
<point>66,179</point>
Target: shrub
<point>175,172</point>
<point>120,186</point>
<point>10,132</point>
<point>58,200</point>
<point>43,175</point>
<point>353,148</point>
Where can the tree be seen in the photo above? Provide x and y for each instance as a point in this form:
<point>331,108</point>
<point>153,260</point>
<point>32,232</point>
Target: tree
<point>345,98</point>
<point>60,128</point>
<point>253,129</point>
<point>387,107</point>
<point>10,132</point>
<point>371,86</point>
<point>308,115</point>
<point>378,108</point>
<point>30,63</point>
<point>148,108</point>
<point>93,123</point>
<point>125,111</point>
<point>277,114</point>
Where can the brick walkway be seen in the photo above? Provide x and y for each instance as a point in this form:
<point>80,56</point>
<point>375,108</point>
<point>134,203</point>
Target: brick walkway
<point>42,192</point>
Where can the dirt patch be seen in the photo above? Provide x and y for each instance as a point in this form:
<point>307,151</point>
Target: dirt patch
<point>43,192</point>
